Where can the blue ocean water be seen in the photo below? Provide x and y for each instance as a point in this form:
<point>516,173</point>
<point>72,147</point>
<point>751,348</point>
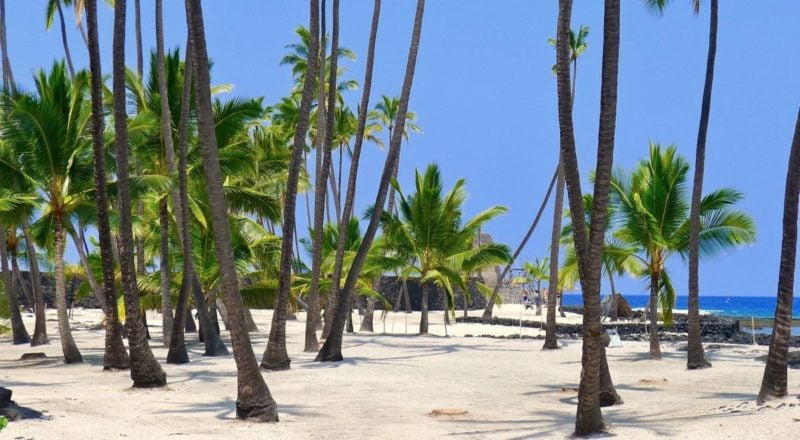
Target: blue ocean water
<point>732,306</point>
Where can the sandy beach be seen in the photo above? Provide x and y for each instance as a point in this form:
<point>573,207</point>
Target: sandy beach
<point>389,385</point>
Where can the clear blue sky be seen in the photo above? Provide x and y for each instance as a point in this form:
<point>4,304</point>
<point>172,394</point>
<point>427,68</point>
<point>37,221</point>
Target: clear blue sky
<point>486,97</point>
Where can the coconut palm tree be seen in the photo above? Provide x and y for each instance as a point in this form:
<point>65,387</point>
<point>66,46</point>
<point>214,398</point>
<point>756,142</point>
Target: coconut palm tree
<point>332,349</point>
<point>430,235</point>
<point>18,331</point>
<point>773,384</point>
<point>115,356</point>
<point>311,338</point>
<point>254,401</point>
<point>145,370</point>
<point>654,217</point>
<point>385,114</point>
<point>8,75</point>
<point>589,241</point>
<point>57,162</point>
<point>278,332</point>
<point>537,271</point>
<point>55,7</point>
<point>322,175</point>
<point>696,357</point>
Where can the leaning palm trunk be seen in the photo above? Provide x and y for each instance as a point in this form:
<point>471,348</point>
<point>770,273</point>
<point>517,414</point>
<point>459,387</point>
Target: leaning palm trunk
<point>275,356</point>
<point>64,40</point>
<point>550,339</point>
<point>97,290</point>
<point>423,320</point>
<point>8,76</point>
<point>177,349</point>
<point>253,401</point>
<point>487,311</point>
<point>40,327</point>
<point>71,353</point>
<point>332,350</point>
<point>166,297</point>
<point>369,312</point>
<point>655,346</point>
<point>145,370</point>
<point>18,331</point>
<point>696,357</point>
<point>588,247</point>
<point>114,356</point>
<point>773,384</point>
<point>354,161</point>
<point>324,172</point>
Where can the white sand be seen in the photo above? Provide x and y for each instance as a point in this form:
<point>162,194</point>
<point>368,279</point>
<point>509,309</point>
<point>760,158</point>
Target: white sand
<point>388,386</point>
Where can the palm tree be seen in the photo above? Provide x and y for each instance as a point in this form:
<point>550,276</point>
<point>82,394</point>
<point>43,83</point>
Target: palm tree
<point>654,217</point>
<point>429,234</point>
<point>322,175</point>
<point>537,272</point>
<point>349,199</point>
<point>115,356</point>
<point>577,47</point>
<point>773,384</point>
<point>56,161</point>
<point>589,241</point>
<point>19,333</point>
<point>696,357</point>
<point>169,154</point>
<point>253,401</point>
<point>385,113</point>
<point>332,349</point>
<point>145,370</point>
<point>53,7</point>
<point>8,76</point>
<point>278,332</point>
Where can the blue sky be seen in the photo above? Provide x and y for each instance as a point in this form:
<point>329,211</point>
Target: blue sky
<point>486,99</point>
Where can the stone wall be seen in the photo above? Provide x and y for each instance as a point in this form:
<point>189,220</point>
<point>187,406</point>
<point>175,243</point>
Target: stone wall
<point>49,290</point>
<point>390,288</point>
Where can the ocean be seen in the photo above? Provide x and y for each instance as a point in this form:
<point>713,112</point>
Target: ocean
<point>732,306</point>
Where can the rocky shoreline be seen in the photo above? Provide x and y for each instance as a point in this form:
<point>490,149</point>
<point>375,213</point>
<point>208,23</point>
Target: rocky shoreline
<point>714,329</point>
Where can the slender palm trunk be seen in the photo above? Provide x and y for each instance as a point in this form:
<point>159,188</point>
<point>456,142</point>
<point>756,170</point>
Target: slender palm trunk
<point>696,357</point>
<point>655,346</point>
<point>18,331</point>
<point>137,23</point>
<point>551,339</point>
<point>335,195</point>
<point>773,384</point>
<point>423,320</point>
<point>166,275</point>
<point>177,349</point>
<point>8,75</point>
<point>390,201</point>
<point>608,393</point>
<point>40,327</point>
<point>614,305</point>
<point>320,193</point>
<point>487,311</point>
<point>332,350</point>
<point>18,277</point>
<point>588,246</point>
<point>253,401</point>
<point>97,290</point>
<point>64,39</point>
<point>369,312</point>
<point>145,370</point>
<point>71,353</point>
<point>114,356</point>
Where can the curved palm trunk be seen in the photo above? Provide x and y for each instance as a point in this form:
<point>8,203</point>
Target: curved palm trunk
<point>275,356</point>
<point>588,247</point>
<point>696,357</point>
<point>655,347</point>
<point>423,320</point>
<point>253,401</point>
<point>177,349</point>
<point>8,75</point>
<point>773,384</point>
<point>137,23</point>
<point>18,331</point>
<point>166,275</point>
<point>390,201</point>
<point>487,312</point>
<point>18,276</point>
<point>550,339</point>
<point>114,356</point>
<point>349,200</point>
<point>64,40</point>
<point>145,370</point>
<point>324,174</point>
<point>332,350</point>
<point>40,327</point>
<point>71,353</point>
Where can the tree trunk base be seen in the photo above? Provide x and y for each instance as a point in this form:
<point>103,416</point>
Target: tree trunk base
<point>262,413</point>
<point>154,380</point>
<point>698,365</point>
<point>276,364</point>
<point>178,356</point>
<point>39,339</point>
